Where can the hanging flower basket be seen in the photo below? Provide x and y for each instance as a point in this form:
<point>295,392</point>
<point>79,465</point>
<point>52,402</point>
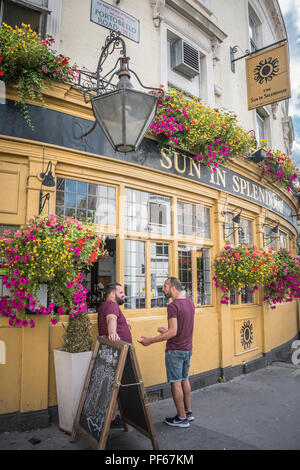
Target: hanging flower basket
<point>246,266</point>
<point>284,283</point>
<point>278,167</point>
<point>241,266</point>
<point>49,250</point>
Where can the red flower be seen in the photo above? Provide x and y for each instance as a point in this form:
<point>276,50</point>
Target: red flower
<point>64,62</point>
<point>80,241</point>
<point>1,58</point>
<point>1,73</point>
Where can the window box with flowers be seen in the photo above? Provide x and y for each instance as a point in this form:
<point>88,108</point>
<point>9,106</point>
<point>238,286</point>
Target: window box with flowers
<point>30,64</point>
<point>213,135</point>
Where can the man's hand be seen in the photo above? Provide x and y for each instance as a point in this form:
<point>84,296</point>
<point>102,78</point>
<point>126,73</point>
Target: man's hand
<point>145,341</point>
<point>114,337</point>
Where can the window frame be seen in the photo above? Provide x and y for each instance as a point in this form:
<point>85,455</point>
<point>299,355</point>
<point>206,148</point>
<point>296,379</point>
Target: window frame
<point>235,228</point>
<point>110,229</point>
<point>43,10</point>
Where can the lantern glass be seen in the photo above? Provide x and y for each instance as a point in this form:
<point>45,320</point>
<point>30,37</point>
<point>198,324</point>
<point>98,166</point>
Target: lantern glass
<point>125,116</point>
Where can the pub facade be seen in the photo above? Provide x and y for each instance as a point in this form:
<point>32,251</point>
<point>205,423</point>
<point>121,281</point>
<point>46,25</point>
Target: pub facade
<point>161,213</point>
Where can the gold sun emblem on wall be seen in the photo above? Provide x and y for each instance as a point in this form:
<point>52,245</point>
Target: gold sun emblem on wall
<point>247,334</point>
<point>266,70</point>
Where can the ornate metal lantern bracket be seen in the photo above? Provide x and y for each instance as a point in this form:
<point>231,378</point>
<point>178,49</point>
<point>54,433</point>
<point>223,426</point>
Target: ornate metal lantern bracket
<point>95,84</point>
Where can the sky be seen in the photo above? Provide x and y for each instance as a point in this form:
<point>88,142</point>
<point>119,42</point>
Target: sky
<point>291,14</point>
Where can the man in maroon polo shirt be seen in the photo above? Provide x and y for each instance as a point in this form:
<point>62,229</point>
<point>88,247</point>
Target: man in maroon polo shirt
<point>179,336</point>
<point>113,324</point>
<point>111,320</point>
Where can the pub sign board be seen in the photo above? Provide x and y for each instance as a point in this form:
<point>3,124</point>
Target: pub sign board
<point>268,78</point>
<point>113,18</point>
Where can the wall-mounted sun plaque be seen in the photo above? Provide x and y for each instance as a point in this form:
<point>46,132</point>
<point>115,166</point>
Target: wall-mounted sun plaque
<point>245,332</point>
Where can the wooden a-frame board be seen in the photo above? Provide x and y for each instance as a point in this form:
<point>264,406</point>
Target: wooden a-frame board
<point>113,376</point>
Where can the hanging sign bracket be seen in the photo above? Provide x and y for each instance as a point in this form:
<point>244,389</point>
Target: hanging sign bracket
<point>234,49</point>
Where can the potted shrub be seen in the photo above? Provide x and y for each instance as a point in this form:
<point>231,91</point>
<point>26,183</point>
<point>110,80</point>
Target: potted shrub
<point>71,365</point>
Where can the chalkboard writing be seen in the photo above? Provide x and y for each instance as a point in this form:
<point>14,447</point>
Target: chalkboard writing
<point>113,375</point>
<point>94,410</point>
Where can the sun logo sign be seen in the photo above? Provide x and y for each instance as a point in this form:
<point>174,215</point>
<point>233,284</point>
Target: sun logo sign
<point>246,334</point>
<point>266,70</point>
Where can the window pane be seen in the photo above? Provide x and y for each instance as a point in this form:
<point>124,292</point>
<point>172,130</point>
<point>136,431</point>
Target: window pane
<point>84,200</point>
<point>134,276</point>
<point>15,15</point>
<point>147,212</point>
<point>185,269</point>
<point>193,219</point>
<point>245,231</point>
<point>282,240</point>
<point>260,128</point>
<point>159,273</point>
<point>246,297</point>
<point>81,187</point>
<point>233,297</point>
<point>269,238</point>
<point>203,277</point>
<point>60,198</point>
<point>229,229</point>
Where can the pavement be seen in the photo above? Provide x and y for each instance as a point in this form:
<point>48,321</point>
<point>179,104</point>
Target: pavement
<point>255,411</point>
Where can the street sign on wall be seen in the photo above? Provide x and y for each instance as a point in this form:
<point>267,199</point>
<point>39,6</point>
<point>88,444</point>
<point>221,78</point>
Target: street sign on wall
<point>268,78</point>
<point>113,18</point>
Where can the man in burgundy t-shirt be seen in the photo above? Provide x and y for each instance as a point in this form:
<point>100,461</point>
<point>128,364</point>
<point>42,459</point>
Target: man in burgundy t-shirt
<point>113,324</point>
<point>179,336</point>
<point>111,321</point>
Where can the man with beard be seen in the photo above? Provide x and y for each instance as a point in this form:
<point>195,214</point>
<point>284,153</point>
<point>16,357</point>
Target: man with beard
<point>113,324</point>
<point>179,335</point>
<point>111,321</point>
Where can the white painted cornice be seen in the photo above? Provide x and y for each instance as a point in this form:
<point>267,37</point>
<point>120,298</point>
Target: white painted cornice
<point>187,11</point>
<point>276,17</point>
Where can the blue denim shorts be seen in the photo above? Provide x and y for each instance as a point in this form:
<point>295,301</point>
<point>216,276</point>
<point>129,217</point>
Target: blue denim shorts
<point>178,365</point>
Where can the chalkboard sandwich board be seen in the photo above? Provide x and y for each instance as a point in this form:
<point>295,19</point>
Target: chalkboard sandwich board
<point>113,375</point>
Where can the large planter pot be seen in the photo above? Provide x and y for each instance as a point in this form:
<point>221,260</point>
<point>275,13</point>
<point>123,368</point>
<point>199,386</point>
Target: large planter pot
<point>70,373</point>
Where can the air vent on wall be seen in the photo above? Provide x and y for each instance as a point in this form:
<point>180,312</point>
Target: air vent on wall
<point>185,59</point>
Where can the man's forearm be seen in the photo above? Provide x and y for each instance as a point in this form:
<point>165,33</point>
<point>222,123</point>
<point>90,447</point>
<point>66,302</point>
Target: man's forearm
<point>163,336</point>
